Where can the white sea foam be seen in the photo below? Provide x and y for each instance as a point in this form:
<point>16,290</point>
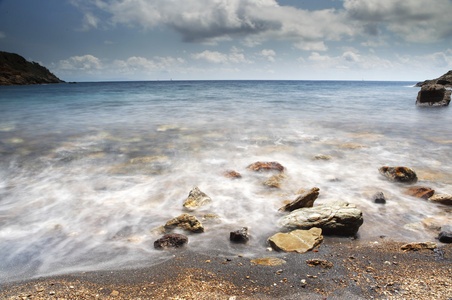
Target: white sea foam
<point>86,193</point>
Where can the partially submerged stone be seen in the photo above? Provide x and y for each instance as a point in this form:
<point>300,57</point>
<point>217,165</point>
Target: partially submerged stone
<point>186,222</point>
<point>240,236</point>
<point>445,237</point>
<point>268,261</point>
<point>275,181</point>
<point>445,199</point>
<point>379,197</point>
<point>299,241</point>
<point>232,174</point>
<point>322,157</point>
<point>399,174</point>
<point>172,240</point>
<point>304,200</point>
<point>320,262</point>
<point>420,192</point>
<point>433,95</point>
<point>437,222</point>
<point>338,218</point>
<point>266,166</point>
<point>196,198</point>
<point>419,246</point>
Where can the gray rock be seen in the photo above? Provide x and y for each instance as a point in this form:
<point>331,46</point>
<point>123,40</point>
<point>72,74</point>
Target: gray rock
<point>304,200</point>
<point>195,199</point>
<point>445,237</point>
<point>379,197</point>
<point>399,174</point>
<point>338,218</point>
<point>239,236</point>
<point>433,95</point>
<point>186,222</point>
<point>299,241</point>
<point>173,240</point>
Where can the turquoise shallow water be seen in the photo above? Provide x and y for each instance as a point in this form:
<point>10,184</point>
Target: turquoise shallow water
<point>88,170</point>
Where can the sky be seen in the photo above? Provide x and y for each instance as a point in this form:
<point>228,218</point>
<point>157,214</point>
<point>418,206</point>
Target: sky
<point>109,40</point>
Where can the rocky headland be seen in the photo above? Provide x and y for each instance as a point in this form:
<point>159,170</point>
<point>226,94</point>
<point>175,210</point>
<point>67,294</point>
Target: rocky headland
<point>16,70</point>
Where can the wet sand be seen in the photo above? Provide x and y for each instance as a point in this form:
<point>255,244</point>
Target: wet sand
<point>361,270</point>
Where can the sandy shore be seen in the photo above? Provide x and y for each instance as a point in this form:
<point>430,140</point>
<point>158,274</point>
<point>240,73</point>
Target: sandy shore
<point>361,270</point>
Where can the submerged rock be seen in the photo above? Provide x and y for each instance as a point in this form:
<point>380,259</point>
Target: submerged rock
<point>322,157</point>
<point>275,181</point>
<point>399,174</point>
<point>186,222</point>
<point>266,166</point>
<point>338,218</point>
<point>195,199</point>
<point>420,192</point>
<point>419,246</point>
<point>304,200</point>
<point>232,174</point>
<point>445,199</point>
<point>172,240</point>
<point>268,261</point>
<point>299,241</point>
<point>437,222</point>
<point>240,236</point>
<point>379,197</point>
<point>433,95</point>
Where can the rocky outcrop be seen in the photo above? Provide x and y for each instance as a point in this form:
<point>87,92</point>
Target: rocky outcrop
<point>172,240</point>
<point>186,222</point>
<point>433,95</point>
<point>305,200</point>
<point>16,70</point>
<point>444,80</point>
<point>196,199</point>
<point>299,241</point>
<point>399,174</point>
<point>338,218</point>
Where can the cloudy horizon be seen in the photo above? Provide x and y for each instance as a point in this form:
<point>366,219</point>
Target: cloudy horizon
<point>100,40</point>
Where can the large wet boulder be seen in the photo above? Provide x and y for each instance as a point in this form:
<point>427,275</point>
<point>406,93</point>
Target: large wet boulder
<point>433,95</point>
<point>337,218</point>
<point>445,80</point>
<point>399,174</point>
<point>304,200</point>
<point>299,241</point>
<point>196,198</point>
<point>186,222</point>
<point>172,240</point>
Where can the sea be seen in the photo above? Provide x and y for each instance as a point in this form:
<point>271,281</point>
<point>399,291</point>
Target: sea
<point>88,171</point>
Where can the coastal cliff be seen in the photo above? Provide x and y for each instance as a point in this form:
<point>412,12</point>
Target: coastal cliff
<point>16,70</point>
<point>445,80</point>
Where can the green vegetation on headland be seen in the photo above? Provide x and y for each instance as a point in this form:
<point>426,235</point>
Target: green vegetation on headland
<point>16,70</point>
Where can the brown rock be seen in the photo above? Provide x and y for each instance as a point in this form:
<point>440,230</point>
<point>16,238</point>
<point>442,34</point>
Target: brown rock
<point>305,200</point>
<point>275,181</point>
<point>268,261</point>
<point>419,246</point>
<point>196,198</point>
<point>433,95</point>
<point>299,241</point>
<point>172,240</point>
<point>436,223</point>
<point>232,174</point>
<point>420,192</point>
<point>322,262</point>
<point>445,199</point>
<point>186,222</point>
<point>266,166</point>
<point>399,174</point>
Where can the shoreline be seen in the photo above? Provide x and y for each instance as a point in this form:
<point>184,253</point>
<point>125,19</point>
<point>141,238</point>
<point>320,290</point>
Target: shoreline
<point>361,270</point>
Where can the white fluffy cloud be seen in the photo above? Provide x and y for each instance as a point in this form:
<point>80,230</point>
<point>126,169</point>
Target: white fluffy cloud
<point>85,62</point>
<point>234,57</point>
